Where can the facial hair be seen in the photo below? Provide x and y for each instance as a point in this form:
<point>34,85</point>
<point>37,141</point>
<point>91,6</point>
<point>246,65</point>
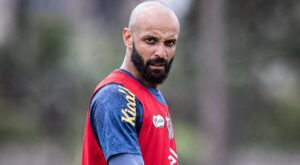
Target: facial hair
<point>152,76</point>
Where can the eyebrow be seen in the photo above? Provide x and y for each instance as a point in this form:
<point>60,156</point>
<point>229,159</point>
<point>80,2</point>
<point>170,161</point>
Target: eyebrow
<point>173,39</point>
<point>152,36</point>
<point>149,36</point>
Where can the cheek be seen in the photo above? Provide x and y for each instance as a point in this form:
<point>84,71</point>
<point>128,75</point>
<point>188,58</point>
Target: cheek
<point>171,52</point>
<point>147,51</point>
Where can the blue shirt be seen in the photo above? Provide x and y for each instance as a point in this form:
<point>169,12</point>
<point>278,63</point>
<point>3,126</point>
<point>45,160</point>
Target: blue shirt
<point>114,135</point>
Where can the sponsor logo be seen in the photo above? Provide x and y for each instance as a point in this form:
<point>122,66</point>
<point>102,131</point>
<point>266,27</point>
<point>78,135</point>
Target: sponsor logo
<point>170,127</point>
<point>158,121</point>
<point>129,113</point>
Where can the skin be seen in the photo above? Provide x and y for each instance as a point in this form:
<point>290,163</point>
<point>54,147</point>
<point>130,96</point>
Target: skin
<point>154,30</point>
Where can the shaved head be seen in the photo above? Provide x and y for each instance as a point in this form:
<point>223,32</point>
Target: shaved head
<point>152,11</point>
<point>150,39</point>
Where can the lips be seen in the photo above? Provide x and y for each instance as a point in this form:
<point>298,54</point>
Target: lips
<point>157,63</point>
<point>157,66</point>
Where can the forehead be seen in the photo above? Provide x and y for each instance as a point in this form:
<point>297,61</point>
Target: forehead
<point>158,28</point>
<point>158,32</point>
<point>154,20</point>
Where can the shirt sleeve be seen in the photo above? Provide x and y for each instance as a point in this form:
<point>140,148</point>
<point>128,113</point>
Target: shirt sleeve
<point>126,159</point>
<point>116,117</point>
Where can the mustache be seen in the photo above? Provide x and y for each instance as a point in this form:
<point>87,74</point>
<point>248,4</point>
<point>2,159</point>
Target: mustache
<point>158,61</point>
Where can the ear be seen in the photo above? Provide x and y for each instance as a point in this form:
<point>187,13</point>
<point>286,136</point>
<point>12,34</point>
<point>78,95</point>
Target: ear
<point>127,38</point>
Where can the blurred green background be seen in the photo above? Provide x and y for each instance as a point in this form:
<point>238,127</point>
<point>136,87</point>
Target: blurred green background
<point>233,92</point>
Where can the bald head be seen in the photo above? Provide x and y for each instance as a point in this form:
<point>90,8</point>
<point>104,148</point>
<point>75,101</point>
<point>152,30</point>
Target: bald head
<point>152,13</point>
<point>150,41</point>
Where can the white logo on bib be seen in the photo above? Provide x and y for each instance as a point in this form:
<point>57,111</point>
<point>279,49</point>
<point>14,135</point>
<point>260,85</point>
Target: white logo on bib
<point>158,121</point>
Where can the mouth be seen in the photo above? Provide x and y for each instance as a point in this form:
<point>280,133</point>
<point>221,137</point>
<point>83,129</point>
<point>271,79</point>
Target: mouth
<point>160,67</point>
<point>157,65</point>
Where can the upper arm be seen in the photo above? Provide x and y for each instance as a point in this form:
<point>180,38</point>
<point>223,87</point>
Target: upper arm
<point>115,120</point>
<point>126,159</point>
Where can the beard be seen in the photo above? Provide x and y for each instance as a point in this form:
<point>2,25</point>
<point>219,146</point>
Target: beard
<point>152,76</point>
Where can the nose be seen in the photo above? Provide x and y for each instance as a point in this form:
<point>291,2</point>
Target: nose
<point>161,51</point>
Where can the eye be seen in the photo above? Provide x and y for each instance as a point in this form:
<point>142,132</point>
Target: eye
<point>150,40</point>
<point>170,43</point>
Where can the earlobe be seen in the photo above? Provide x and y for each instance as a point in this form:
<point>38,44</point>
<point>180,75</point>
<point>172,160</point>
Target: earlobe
<point>127,38</point>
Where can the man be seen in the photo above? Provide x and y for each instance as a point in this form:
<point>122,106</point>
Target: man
<point>128,122</point>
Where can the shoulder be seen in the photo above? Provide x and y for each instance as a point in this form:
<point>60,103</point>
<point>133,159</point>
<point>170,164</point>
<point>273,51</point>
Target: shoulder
<point>114,102</point>
<point>113,89</point>
<point>107,91</point>
<point>111,93</point>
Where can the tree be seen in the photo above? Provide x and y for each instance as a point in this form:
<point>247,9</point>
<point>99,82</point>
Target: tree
<point>212,78</point>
